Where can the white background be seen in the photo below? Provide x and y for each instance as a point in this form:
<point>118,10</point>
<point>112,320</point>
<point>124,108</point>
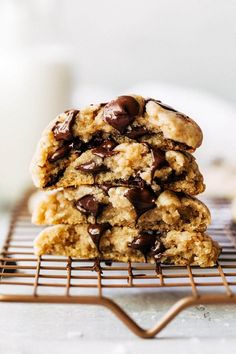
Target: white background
<point>117,43</point>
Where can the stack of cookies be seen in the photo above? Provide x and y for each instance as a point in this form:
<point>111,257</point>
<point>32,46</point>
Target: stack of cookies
<point>118,184</point>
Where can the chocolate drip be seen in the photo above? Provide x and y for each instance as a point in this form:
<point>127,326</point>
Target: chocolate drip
<point>149,243</point>
<point>157,249</point>
<point>63,131</point>
<point>163,105</point>
<point>96,266</point>
<point>120,113</point>
<point>55,178</point>
<point>105,149</point>
<point>159,160</point>
<point>108,263</point>
<point>89,205</point>
<point>91,167</point>
<point>142,199</point>
<point>96,231</point>
<point>136,132</point>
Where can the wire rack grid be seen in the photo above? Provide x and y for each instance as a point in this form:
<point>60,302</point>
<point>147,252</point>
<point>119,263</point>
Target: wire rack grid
<point>48,279</point>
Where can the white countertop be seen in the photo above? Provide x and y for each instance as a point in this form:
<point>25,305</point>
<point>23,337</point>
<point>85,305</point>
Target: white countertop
<point>43,328</point>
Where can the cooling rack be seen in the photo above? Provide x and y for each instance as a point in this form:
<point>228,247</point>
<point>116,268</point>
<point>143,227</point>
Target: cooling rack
<point>48,279</point>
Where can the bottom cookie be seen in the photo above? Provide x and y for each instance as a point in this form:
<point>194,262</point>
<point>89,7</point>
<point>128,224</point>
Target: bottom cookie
<point>127,244</point>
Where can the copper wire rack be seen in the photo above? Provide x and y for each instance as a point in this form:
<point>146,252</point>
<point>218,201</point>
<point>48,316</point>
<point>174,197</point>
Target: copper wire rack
<point>49,279</point>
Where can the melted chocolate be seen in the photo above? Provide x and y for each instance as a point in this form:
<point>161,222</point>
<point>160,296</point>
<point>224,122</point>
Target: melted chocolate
<point>149,243</point>
<point>60,153</point>
<point>159,160</point>
<point>120,113</point>
<point>105,187</point>
<point>163,105</point>
<point>96,141</point>
<point>96,231</point>
<point>96,266</point>
<point>77,145</point>
<point>173,177</point>
<point>136,181</point>
<point>105,149</point>
<point>89,205</point>
<point>108,263</point>
<point>157,249</point>
<point>136,132</point>
<point>142,199</point>
<point>54,178</point>
<point>131,182</point>
<point>63,131</point>
<point>91,167</point>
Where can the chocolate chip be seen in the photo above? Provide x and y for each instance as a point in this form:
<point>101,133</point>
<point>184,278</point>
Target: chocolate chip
<point>163,105</point>
<point>91,167</point>
<point>105,187</point>
<point>172,178</point>
<point>121,112</point>
<point>96,231</point>
<point>142,199</point>
<point>55,178</point>
<point>149,243</point>
<point>159,160</point>
<point>76,145</point>
<point>136,132</point>
<point>157,249</point>
<point>63,131</point>
<point>89,205</point>
<point>60,153</point>
<point>105,149</point>
<point>136,181</point>
<point>79,146</point>
<point>96,141</point>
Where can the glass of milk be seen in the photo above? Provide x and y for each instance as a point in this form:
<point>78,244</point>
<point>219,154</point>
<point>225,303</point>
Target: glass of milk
<point>34,87</point>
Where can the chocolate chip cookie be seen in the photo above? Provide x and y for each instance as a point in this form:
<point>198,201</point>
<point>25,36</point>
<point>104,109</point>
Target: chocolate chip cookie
<point>90,137</point>
<point>137,207</point>
<point>119,180</point>
<point>124,164</point>
<point>128,244</point>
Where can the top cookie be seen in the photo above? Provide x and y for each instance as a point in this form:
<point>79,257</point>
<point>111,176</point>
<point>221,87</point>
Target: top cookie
<point>126,119</point>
